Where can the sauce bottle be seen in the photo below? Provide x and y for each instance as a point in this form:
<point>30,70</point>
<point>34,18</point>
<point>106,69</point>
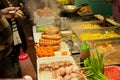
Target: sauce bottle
<point>26,77</point>
<point>84,52</point>
<point>26,65</point>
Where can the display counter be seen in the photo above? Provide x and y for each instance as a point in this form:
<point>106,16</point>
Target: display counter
<point>105,38</point>
<point>102,36</point>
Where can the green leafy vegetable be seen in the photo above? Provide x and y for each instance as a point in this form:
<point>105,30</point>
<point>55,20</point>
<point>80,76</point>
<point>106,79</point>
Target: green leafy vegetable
<point>97,66</point>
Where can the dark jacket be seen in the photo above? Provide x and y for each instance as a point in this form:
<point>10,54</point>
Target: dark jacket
<point>6,38</point>
<point>9,67</point>
<point>4,4</point>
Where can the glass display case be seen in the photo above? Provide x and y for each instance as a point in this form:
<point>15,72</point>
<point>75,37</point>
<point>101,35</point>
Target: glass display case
<point>103,37</point>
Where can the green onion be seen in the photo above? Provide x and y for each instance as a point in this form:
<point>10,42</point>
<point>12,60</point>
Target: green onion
<point>97,66</point>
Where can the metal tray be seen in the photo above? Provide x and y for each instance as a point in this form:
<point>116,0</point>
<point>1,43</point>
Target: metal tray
<point>47,75</point>
<point>78,32</point>
<point>76,28</point>
<point>86,14</point>
<point>103,25</point>
<point>100,39</point>
<point>110,50</point>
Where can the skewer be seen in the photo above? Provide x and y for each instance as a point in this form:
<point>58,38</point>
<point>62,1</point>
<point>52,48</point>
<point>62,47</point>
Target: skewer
<point>84,74</point>
<point>80,63</point>
<point>85,68</point>
<point>89,74</point>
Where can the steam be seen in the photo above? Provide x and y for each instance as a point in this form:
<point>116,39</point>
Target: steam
<point>33,5</point>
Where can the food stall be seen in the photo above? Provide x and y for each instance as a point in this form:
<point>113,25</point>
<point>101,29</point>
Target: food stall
<point>57,45</point>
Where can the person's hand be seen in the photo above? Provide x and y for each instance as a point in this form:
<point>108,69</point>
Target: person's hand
<point>12,12</point>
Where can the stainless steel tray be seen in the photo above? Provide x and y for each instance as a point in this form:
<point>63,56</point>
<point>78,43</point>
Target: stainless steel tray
<point>100,39</point>
<point>104,39</point>
<point>103,26</point>
<point>86,14</point>
<point>110,50</point>
<point>76,28</point>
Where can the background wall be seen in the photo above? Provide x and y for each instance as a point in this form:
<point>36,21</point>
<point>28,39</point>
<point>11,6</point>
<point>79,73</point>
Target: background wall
<point>98,6</point>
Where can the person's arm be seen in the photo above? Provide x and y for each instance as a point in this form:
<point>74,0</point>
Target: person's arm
<point>6,39</point>
<point>3,19</point>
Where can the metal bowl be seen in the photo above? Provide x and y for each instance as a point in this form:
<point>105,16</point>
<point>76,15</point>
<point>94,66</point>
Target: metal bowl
<point>70,8</point>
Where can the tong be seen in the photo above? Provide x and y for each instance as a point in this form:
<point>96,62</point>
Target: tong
<point>70,44</point>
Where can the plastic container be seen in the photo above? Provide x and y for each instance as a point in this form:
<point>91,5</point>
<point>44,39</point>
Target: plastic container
<point>112,72</point>
<point>64,25</point>
<point>27,77</point>
<point>26,65</point>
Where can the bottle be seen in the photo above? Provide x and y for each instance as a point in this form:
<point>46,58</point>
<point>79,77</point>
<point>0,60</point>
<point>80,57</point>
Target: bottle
<point>26,65</point>
<point>26,77</point>
<point>84,52</point>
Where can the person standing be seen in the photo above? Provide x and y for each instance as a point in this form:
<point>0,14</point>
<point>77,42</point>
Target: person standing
<point>16,25</point>
<point>9,65</point>
<point>115,9</point>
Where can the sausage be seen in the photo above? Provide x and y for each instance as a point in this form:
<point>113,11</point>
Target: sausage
<point>48,42</point>
<point>54,36</point>
<point>51,30</point>
<point>56,47</point>
<point>59,33</point>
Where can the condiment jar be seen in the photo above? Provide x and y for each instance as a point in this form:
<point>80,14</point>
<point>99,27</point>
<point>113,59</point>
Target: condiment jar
<point>84,52</point>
